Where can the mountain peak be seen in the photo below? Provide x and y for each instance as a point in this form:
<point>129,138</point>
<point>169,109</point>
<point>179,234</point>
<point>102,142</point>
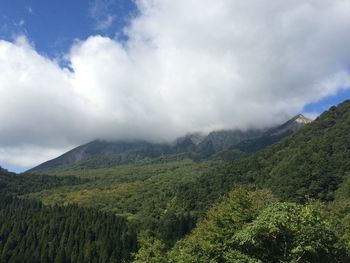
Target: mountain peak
<point>292,125</point>
<point>300,118</point>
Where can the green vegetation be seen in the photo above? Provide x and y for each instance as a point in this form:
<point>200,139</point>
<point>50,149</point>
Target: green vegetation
<point>287,203</point>
<point>311,163</point>
<point>254,227</point>
<point>30,232</point>
<point>11,183</point>
<point>153,195</point>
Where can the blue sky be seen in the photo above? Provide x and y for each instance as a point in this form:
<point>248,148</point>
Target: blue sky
<point>326,103</point>
<point>70,73</point>
<point>54,25</point>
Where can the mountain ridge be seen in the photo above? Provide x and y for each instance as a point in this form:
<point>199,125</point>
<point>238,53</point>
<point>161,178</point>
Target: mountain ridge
<point>102,153</point>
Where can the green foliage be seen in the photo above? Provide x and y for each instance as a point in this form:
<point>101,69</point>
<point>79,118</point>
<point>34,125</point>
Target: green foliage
<point>286,232</point>
<point>312,163</point>
<point>209,241</point>
<point>152,250</point>
<point>151,194</point>
<point>253,227</point>
<point>338,211</point>
<point>30,232</point>
<point>11,183</point>
<point>169,198</point>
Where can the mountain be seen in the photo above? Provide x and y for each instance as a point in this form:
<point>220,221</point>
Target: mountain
<point>222,140</point>
<point>196,146</point>
<point>292,125</point>
<point>308,172</point>
<point>269,137</point>
<point>287,202</point>
<point>101,153</point>
<point>311,163</point>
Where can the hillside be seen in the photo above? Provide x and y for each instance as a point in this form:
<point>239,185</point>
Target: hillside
<point>166,200</point>
<point>287,223</point>
<point>31,232</point>
<point>11,183</point>
<point>269,137</point>
<point>295,169</point>
<point>311,163</point>
<point>253,226</point>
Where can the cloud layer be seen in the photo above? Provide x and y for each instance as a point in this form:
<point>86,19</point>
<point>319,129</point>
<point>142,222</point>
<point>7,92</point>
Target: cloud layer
<point>188,65</point>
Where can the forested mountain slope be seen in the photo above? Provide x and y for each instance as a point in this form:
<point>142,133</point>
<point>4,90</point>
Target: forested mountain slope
<point>166,200</point>
<point>305,217</point>
<point>254,227</point>
<point>32,233</point>
<point>311,163</point>
<point>297,168</point>
<point>17,184</point>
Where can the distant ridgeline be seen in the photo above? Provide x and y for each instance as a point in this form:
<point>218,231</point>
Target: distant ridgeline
<point>224,144</point>
<point>18,184</point>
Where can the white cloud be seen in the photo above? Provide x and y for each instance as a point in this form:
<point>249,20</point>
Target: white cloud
<point>26,155</point>
<point>188,65</point>
<point>100,12</point>
<point>106,23</point>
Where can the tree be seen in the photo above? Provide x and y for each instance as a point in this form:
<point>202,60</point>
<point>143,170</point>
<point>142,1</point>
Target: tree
<point>152,250</point>
<point>210,241</point>
<point>252,227</point>
<point>287,232</point>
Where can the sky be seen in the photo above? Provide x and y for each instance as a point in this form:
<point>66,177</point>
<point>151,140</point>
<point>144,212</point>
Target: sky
<point>53,26</point>
<point>75,71</point>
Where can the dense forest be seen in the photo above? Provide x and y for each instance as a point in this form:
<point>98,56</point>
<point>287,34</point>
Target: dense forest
<point>30,232</point>
<point>253,226</point>
<point>289,202</point>
<point>11,183</point>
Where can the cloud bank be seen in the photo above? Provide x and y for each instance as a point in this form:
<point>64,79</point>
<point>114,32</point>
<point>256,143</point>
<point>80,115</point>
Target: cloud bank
<point>188,65</point>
